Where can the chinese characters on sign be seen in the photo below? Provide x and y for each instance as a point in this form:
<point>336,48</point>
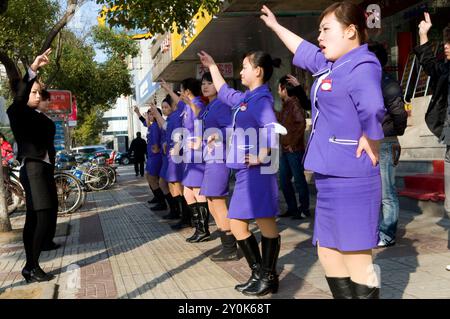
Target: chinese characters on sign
<point>60,101</point>
<point>226,69</point>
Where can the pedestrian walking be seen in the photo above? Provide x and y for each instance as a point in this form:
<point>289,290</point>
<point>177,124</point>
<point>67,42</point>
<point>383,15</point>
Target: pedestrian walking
<point>34,134</point>
<point>138,148</point>
<point>252,110</point>
<point>348,108</point>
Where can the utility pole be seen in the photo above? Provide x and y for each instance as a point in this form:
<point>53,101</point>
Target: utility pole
<point>5,225</point>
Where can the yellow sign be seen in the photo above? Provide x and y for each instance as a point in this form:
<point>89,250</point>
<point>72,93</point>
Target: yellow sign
<point>181,41</point>
<point>135,34</point>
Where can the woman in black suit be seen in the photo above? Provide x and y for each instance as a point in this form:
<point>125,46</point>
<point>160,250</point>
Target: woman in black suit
<point>34,133</point>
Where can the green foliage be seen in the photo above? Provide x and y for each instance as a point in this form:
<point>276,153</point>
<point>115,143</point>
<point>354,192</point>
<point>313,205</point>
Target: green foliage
<point>88,132</point>
<point>156,16</point>
<point>24,27</point>
<point>95,85</point>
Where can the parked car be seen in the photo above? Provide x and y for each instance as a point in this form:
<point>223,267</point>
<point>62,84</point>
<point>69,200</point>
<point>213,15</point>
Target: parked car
<point>124,158</point>
<point>65,160</point>
<point>84,153</point>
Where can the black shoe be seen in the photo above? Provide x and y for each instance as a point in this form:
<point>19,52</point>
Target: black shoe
<point>286,214</point>
<point>341,288</point>
<point>297,216</point>
<point>159,207</point>
<point>36,275</point>
<point>186,214</point>
<point>52,246</point>
<point>305,212</point>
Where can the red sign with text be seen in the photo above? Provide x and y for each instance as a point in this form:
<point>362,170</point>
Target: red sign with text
<point>60,101</point>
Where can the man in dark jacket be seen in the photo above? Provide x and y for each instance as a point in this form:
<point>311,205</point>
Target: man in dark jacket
<point>139,148</point>
<point>437,116</point>
<point>394,124</point>
<point>438,113</point>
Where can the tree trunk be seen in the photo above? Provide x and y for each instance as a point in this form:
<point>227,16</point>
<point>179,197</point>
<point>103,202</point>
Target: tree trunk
<point>12,71</point>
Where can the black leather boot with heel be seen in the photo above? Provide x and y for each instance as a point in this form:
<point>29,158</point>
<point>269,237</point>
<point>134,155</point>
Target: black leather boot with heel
<point>268,277</point>
<point>202,225</point>
<point>364,292</point>
<point>250,249</point>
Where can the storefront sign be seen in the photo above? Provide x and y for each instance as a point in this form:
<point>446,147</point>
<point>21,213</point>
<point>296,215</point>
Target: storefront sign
<point>226,69</point>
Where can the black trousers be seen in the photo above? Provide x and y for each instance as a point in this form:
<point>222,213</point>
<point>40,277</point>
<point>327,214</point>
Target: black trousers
<point>139,167</point>
<point>42,207</point>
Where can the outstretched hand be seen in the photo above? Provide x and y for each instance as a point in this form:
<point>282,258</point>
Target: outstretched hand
<point>41,60</point>
<point>292,80</point>
<point>268,17</point>
<point>425,25</point>
<point>206,59</point>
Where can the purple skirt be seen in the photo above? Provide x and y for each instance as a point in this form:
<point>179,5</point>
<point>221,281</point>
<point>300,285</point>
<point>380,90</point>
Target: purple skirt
<point>153,164</point>
<point>193,174</point>
<point>174,172</point>
<point>255,195</point>
<point>347,212</point>
<point>215,180</point>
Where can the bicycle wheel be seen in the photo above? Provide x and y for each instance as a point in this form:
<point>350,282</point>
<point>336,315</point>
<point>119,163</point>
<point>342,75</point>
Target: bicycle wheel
<point>97,178</point>
<point>15,196</point>
<point>111,175</point>
<point>69,192</point>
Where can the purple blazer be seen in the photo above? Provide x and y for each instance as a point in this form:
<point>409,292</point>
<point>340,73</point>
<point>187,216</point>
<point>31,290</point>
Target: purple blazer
<point>347,102</point>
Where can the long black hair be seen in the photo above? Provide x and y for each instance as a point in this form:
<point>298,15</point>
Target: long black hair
<point>263,60</point>
<point>192,85</point>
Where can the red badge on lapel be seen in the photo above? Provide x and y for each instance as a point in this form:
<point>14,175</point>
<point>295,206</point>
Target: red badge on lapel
<point>243,107</point>
<point>326,85</point>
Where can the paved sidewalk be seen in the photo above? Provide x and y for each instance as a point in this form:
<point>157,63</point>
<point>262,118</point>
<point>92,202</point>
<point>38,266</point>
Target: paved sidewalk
<point>117,247</point>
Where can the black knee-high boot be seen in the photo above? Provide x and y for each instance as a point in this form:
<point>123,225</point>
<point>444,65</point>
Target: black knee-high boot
<point>201,225</point>
<point>229,248</point>
<point>250,249</point>
<point>194,220</point>
<point>161,200</point>
<point>186,214</point>
<point>360,291</point>
<point>154,200</point>
<point>173,213</point>
<point>268,278</point>
<point>341,288</point>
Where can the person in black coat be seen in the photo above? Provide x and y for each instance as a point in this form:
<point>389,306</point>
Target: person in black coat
<point>34,133</point>
<point>139,148</point>
<point>437,116</point>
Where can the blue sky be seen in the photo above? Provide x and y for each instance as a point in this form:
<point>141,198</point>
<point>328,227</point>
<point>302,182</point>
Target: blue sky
<point>84,18</point>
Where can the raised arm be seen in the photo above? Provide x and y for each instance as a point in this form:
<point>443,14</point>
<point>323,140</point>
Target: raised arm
<point>169,91</point>
<point>424,51</point>
<point>226,94</point>
<point>289,38</point>
<point>195,108</point>
<point>159,119</point>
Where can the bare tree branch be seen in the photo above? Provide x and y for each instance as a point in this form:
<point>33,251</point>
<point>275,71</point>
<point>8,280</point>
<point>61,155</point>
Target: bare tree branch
<point>68,15</point>
<point>12,71</point>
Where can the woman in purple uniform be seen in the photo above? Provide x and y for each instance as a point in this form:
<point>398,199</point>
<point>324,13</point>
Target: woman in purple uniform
<point>348,109</point>
<point>191,106</point>
<point>154,157</point>
<point>172,167</point>
<point>255,195</point>
<point>215,119</point>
